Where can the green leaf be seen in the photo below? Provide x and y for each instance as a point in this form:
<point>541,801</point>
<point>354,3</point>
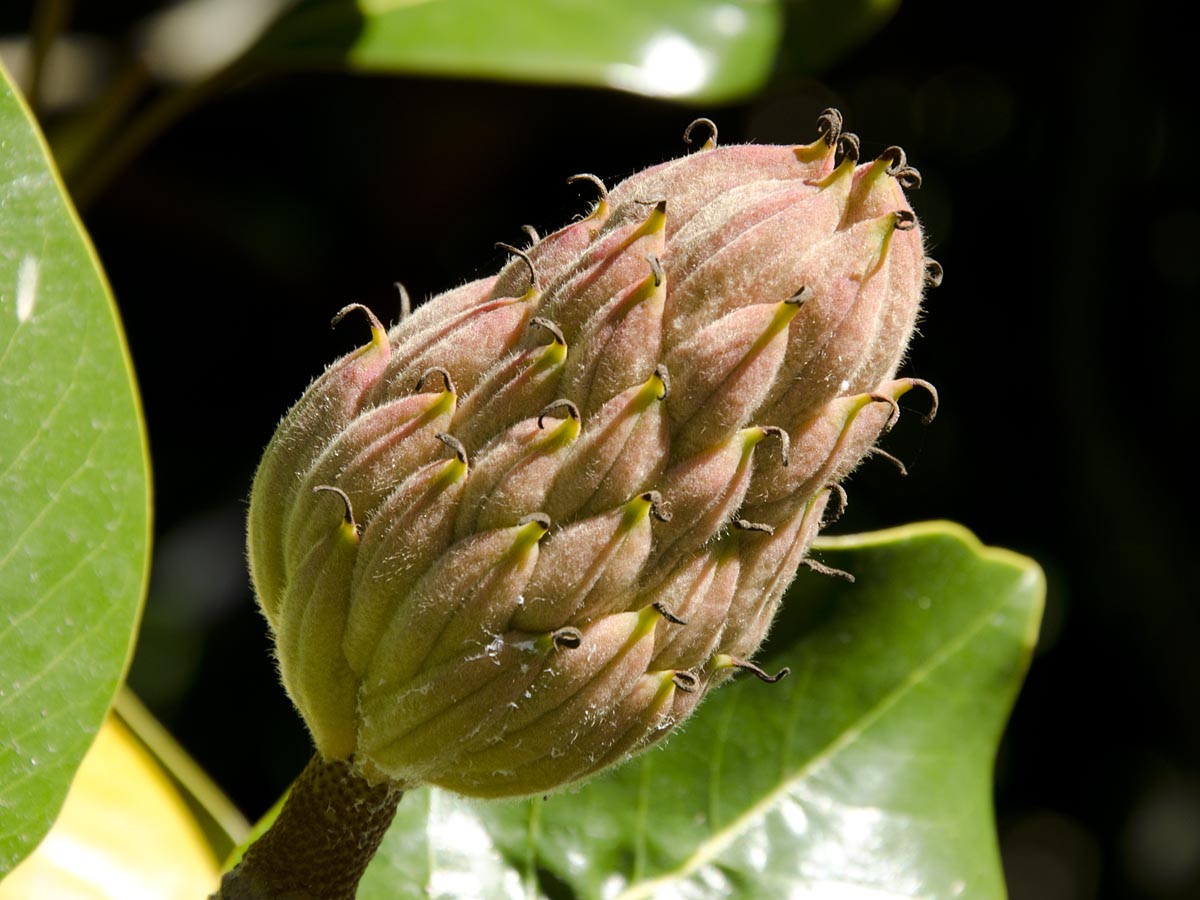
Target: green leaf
<point>74,489</point>
<point>866,774</point>
<point>700,50</point>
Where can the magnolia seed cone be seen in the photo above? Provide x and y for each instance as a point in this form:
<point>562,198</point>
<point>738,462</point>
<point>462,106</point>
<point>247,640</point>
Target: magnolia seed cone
<point>517,538</point>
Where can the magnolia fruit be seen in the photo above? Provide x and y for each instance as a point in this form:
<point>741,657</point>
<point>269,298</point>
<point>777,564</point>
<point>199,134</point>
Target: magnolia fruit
<point>517,538</point>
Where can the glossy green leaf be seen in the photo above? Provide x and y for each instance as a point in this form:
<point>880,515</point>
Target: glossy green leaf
<point>866,774</point>
<point>701,50</point>
<point>74,489</point>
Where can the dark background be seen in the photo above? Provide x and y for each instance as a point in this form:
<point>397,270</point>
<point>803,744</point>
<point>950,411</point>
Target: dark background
<point>1060,195</point>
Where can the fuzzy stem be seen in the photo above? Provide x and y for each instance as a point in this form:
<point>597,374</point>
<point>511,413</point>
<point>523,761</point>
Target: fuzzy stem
<point>329,828</point>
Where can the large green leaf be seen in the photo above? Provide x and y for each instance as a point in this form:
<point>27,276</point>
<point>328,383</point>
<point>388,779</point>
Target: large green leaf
<point>703,50</point>
<point>74,489</point>
<point>867,774</point>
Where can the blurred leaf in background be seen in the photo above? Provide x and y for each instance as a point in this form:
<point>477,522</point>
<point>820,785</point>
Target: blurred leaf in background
<point>701,50</point>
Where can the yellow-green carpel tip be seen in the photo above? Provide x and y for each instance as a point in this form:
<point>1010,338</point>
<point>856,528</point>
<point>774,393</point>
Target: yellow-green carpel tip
<point>529,532</point>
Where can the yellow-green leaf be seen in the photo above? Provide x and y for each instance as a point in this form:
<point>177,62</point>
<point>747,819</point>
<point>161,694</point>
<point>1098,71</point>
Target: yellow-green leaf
<point>124,833</point>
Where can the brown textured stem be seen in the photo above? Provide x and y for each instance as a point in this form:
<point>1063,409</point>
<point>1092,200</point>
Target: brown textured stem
<point>329,828</point>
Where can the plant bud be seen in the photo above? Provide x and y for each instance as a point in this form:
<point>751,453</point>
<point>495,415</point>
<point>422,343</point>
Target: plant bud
<point>517,538</point>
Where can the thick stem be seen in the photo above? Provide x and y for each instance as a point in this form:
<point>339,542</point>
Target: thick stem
<point>329,828</point>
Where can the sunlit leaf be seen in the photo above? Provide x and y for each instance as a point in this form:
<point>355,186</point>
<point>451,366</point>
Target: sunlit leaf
<point>702,50</point>
<point>866,774</point>
<point>74,489</point>
<point>124,833</point>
